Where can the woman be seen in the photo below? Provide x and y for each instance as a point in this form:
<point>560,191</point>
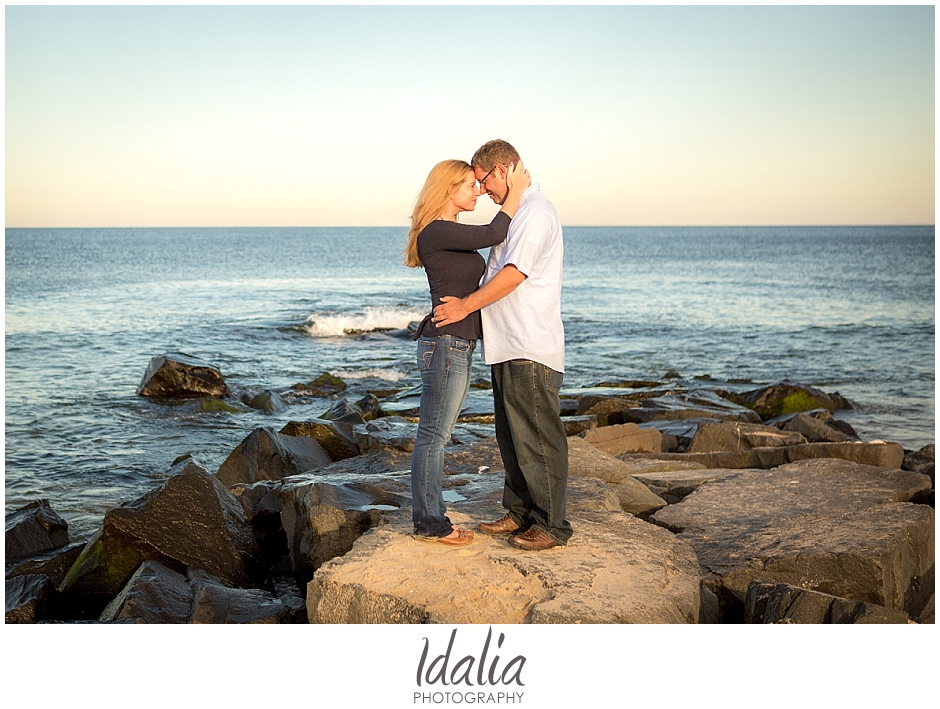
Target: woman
<point>446,250</point>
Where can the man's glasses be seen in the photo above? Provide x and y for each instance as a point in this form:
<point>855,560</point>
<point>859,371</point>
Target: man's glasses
<point>480,183</point>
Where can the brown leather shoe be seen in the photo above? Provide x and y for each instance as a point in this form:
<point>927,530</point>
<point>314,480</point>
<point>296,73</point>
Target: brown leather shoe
<point>457,538</point>
<point>504,525</point>
<point>534,540</point>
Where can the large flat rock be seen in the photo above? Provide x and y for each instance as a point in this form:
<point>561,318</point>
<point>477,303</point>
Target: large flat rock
<point>615,569</point>
<point>883,455</point>
<point>827,525</point>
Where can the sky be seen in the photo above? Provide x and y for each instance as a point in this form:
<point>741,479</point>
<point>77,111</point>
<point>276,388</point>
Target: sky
<point>333,115</point>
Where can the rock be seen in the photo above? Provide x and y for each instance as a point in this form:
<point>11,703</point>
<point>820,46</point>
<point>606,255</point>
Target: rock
<point>927,615</point>
<point>267,401</point>
<point>191,520</point>
<point>266,454</point>
<point>629,384</point>
<point>625,438</point>
<point>696,404</point>
<point>33,529</point>
<point>846,428</point>
<point>323,514</point>
<point>738,436</point>
<point>615,569</point>
<point>181,376</point>
<point>823,415</point>
<point>329,434</point>
<point>608,409</point>
<point>217,406</point>
<point>785,398</point>
<point>568,406</point>
<point>884,455</point>
<point>325,385</point>
<point>387,432</point>
<point>582,494</point>
<point>28,598</point>
<point>153,594</point>
<point>677,434</point>
<point>479,457</point>
<point>262,505</point>
<point>769,602</point>
<point>343,411</point>
<point>54,564</point>
<point>579,424</point>
<point>921,461</point>
<point>674,485</point>
<point>826,525</point>
<point>586,461</point>
<point>370,407</point>
<point>214,602</point>
<point>814,430</point>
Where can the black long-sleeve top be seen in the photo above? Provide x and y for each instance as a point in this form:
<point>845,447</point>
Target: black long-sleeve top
<point>448,252</point>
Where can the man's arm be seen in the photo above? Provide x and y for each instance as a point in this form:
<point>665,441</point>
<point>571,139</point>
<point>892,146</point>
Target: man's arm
<point>452,309</point>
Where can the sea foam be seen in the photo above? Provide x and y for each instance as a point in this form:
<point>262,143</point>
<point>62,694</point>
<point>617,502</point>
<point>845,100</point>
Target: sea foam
<point>378,318</point>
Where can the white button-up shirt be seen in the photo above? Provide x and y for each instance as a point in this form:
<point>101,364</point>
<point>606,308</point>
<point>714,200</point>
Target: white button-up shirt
<point>526,324</point>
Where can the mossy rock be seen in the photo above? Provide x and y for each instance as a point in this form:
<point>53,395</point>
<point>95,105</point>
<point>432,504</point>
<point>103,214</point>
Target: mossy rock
<point>782,399</point>
<point>217,406</point>
<point>325,385</point>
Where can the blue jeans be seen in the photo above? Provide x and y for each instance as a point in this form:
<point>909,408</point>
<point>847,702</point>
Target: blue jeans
<point>444,363</point>
<point>533,445</point>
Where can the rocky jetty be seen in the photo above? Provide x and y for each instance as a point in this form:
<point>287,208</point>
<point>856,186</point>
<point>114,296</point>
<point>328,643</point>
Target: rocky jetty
<point>180,376</point>
<point>689,506</point>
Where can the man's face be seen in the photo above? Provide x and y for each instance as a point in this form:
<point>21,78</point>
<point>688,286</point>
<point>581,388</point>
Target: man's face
<point>493,182</point>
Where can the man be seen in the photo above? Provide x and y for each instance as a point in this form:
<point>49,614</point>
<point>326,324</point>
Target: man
<point>524,342</point>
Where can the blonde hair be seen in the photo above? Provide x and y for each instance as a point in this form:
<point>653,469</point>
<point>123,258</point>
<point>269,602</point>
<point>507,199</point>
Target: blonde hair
<point>431,201</point>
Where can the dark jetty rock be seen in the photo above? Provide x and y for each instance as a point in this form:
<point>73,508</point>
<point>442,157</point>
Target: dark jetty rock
<point>575,425</point>
<point>696,404</point>
<point>268,402</point>
<point>826,525</point>
<point>769,602</point>
<point>191,520</point>
<point>266,454</point>
<point>389,432</point>
<point>157,594</point>
<point>344,412</point>
<point>325,512</point>
<point>325,385</point>
<point>33,529</point>
<point>814,428</point>
<point>181,376</point>
<point>786,398</point>
<point>54,564</point>
<point>335,438</point>
<point>28,598</point>
<point>609,410</point>
<point>921,461</point>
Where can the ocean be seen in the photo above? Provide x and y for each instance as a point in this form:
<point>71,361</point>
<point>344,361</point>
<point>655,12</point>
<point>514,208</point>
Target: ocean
<point>847,309</point>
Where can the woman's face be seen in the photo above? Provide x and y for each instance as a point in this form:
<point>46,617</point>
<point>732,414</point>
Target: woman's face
<point>465,195</point>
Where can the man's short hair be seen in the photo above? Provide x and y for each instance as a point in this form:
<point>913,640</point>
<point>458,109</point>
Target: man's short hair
<point>496,152</point>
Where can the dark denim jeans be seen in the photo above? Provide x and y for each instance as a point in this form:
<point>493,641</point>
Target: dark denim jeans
<point>444,363</point>
<point>533,445</point>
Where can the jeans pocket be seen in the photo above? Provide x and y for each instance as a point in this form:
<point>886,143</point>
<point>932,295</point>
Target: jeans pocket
<point>425,353</point>
<point>552,379</point>
<point>461,345</point>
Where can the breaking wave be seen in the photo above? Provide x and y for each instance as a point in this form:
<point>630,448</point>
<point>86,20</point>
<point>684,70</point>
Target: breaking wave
<point>371,319</point>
